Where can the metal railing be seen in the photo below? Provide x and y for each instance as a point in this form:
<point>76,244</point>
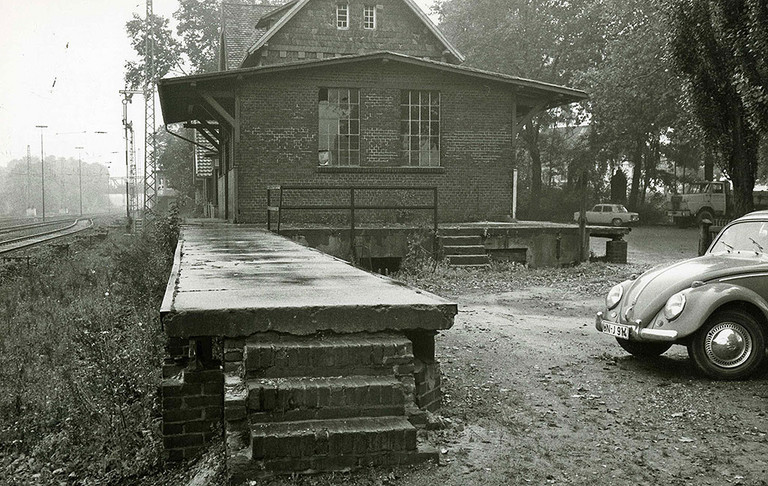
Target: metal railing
<point>352,207</point>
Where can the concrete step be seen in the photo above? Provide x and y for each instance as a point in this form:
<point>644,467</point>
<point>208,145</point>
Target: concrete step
<point>329,444</point>
<point>446,240</point>
<point>277,356</point>
<point>468,260</point>
<point>464,250</point>
<point>294,399</point>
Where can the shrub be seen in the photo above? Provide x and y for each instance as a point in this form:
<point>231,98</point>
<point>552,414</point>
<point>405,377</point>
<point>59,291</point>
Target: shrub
<point>80,355</point>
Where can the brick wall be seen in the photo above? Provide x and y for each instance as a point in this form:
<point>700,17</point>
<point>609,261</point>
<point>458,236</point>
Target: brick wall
<point>312,33</point>
<point>279,125</point>
<point>192,411</point>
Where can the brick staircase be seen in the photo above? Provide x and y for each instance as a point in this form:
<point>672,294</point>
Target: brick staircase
<point>463,247</point>
<point>319,403</point>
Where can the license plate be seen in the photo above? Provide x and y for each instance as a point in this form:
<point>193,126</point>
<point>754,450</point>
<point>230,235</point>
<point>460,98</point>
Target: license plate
<point>616,330</point>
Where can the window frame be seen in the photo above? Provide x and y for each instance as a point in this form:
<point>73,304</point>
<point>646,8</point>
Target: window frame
<point>370,9</point>
<point>342,7</point>
<point>347,128</point>
<point>420,138</point>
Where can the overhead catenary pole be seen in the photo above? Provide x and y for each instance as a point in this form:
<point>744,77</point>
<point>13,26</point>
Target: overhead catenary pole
<point>150,141</point>
<point>42,165</point>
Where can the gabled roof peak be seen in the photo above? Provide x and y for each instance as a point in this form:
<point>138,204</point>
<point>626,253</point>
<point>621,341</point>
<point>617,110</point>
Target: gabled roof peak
<point>290,9</point>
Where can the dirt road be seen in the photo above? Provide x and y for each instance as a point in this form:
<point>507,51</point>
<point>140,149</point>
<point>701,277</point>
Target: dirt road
<point>535,395</point>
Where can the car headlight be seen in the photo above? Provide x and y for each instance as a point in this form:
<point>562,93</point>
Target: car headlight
<point>614,296</point>
<point>674,307</point>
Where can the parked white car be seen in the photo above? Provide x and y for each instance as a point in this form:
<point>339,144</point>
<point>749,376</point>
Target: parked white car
<point>609,214</point>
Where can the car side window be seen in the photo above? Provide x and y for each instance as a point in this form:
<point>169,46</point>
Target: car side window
<point>717,188</point>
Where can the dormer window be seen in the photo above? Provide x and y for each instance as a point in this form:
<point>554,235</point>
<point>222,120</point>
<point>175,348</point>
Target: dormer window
<point>342,16</point>
<point>369,17</point>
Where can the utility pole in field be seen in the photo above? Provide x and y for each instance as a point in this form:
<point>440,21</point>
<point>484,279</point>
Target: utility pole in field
<point>29,190</point>
<point>80,175</point>
<point>42,165</point>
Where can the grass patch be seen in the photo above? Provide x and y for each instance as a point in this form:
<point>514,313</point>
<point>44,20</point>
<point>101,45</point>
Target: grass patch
<point>80,357</point>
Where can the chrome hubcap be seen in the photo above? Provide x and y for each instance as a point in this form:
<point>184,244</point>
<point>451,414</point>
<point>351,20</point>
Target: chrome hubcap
<point>728,345</point>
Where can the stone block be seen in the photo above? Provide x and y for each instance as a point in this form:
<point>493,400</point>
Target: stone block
<point>183,441</point>
<point>181,415</point>
<point>199,427</point>
<point>204,376</point>
<point>203,401</point>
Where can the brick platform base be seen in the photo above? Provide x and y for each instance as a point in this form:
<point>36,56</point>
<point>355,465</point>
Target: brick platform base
<point>616,251</point>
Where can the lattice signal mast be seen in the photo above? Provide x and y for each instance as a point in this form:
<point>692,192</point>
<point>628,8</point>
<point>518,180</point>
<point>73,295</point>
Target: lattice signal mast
<point>131,202</point>
<point>150,140</point>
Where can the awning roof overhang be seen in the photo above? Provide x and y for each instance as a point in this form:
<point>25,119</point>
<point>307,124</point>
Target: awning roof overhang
<point>211,96</point>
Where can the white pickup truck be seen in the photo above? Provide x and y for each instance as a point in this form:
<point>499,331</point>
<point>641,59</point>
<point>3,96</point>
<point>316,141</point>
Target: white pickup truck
<point>706,200</point>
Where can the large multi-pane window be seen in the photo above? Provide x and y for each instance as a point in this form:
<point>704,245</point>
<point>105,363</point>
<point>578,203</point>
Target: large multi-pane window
<point>339,130</point>
<point>369,17</point>
<point>342,15</point>
<point>420,127</point>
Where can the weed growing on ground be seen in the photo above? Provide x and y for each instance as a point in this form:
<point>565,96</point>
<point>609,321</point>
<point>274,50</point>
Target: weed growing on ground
<point>80,355</point>
<point>591,278</point>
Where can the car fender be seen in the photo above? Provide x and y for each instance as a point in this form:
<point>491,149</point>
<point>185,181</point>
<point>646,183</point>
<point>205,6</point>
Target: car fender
<point>702,302</point>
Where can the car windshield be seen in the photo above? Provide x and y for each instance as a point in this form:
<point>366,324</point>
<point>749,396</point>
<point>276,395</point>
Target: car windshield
<point>749,236</point>
<point>620,209</point>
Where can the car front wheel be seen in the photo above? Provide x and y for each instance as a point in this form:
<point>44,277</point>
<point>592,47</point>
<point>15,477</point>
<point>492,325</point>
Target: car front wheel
<point>616,222</point>
<point>729,346</point>
<point>643,350</point>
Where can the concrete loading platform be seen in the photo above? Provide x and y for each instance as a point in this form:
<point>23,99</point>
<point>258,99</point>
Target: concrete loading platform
<point>309,363</point>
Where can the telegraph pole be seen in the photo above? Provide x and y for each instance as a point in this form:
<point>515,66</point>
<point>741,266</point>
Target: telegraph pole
<point>29,186</point>
<point>80,175</point>
<point>42,164</point>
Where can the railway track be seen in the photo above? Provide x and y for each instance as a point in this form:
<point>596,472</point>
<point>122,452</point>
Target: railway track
<point>19,236</point>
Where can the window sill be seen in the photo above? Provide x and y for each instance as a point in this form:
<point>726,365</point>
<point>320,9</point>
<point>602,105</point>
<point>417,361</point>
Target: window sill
<point>379,170</point>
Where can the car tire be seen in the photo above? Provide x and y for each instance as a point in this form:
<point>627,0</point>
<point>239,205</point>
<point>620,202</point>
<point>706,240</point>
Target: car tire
<point>735,359</point>
<point>616,222</point>
<point>643,350</point>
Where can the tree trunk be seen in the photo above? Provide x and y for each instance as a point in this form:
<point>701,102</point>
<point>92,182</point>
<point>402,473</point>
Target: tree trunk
<point>531,136</point>
<point>742,162</point>
<point>709,164</point>
<point>637,162</point>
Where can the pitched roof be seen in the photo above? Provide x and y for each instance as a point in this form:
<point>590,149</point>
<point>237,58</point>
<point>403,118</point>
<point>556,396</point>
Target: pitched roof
<point>238,27</point>
<point>297,5</point>
<point>203,157</point>
<point>171,89</point>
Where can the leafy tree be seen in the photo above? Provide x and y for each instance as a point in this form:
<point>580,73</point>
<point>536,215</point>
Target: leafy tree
<point>548,40</point>
<point>198,28</point>
<point>176,157</point>
<point>744,26</point>
<point>702,49</point>
<point>633,93</point>
<point>166,51</point>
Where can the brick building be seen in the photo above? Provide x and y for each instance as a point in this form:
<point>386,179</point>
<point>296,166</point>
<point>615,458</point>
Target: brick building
<point>349,93</point>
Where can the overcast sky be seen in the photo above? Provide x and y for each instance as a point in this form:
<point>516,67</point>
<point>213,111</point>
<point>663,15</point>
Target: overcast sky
<point>61,65</point>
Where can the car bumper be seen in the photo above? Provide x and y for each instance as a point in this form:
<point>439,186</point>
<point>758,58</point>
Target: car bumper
<point>637,333</point>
